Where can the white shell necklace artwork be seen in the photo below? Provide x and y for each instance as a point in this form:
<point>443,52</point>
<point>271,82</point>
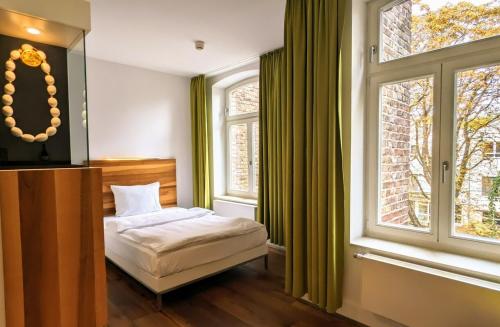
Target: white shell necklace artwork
<point>31,57</point>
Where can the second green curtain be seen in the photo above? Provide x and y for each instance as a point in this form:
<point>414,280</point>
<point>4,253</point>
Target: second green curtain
<point>301,194</point>
<point>200,128</point>
<point>271,149</point>
<point>313,202</point>
<point>300,173</point>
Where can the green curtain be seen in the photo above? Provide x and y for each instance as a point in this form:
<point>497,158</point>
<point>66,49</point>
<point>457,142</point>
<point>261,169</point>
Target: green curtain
<point>313,203</point>
<point>200,128</point>
<point>271,140</point>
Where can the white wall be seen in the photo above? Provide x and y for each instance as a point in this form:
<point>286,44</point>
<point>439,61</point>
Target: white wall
<point>135,112</point>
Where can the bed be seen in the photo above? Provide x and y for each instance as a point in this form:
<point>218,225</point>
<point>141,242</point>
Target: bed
<point>175,246</point>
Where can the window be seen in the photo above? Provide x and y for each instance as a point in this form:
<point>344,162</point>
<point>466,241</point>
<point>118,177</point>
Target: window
<point>406,151</point>
<point>477,117</point>
<point>242,127</point>
<point>487,185</point>
<point>421,208</point>
<point>414,27</point>
<point>434,124</point>
<point>489,217</point>
<point>491,149</point>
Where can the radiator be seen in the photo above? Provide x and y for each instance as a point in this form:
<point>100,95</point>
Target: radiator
<point>417,295</point>
<point>234,209</point>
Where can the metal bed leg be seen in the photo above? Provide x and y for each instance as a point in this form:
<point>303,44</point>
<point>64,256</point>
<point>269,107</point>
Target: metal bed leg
<point>266,262</point>
<point>159,302</point>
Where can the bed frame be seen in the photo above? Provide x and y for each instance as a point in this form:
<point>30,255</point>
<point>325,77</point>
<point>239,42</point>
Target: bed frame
<point>144,171</point>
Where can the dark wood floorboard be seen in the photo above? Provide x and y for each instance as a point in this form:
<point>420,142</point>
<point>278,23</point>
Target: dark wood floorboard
<point>244,296</point>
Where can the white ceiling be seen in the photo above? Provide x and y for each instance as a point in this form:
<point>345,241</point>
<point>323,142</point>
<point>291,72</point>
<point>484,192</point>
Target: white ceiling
<point>160,34</point>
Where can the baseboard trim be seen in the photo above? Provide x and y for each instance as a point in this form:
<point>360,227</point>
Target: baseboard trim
<point>275,248</point>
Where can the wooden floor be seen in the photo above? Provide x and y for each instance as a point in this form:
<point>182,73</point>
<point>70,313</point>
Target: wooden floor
<point>245,296</point>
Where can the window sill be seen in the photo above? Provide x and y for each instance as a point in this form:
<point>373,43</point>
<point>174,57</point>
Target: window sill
<point>483,270</point>
<point>235,199</point>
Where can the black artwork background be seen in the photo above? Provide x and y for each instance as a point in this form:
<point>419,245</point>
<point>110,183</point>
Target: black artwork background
<point>31,110</point>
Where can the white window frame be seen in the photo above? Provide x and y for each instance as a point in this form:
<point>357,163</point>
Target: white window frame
<point>247,119</point>
<point>462,243</point>
<point>442,65</point>
<point>373,227</point>
<point>495,150</point>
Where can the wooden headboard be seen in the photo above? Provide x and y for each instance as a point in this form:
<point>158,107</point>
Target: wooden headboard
<point>137,172</point>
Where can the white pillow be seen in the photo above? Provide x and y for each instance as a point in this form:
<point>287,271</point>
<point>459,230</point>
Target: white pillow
<point>137,199</point>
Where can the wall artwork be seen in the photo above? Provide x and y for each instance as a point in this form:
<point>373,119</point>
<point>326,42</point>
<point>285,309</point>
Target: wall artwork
<point>31,57</point>
<point>35,104</point>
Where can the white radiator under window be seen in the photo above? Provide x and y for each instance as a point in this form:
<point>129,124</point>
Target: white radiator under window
<point>235,209</point>
<point>417,295</point>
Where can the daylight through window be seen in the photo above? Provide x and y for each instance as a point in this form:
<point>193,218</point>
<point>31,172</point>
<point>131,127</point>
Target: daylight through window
<point>434,124</point>
<point>243,138</point>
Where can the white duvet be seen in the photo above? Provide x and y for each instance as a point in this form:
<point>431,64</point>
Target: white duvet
<point>174,228</point>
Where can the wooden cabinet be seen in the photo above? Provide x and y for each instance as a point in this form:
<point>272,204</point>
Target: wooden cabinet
<point>53,248</point>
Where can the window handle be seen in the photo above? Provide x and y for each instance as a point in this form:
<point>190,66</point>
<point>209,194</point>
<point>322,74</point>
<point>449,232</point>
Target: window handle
<point>372,53</point>
<point>444,169</point>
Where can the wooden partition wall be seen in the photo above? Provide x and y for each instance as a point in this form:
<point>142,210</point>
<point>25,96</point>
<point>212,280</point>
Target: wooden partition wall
<point>53,248</point>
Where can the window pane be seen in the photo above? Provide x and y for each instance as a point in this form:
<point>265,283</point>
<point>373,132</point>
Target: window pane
<point>255,145</point>
<point>413,27</point>
<point>406,153</point>
<point>238,138</point>
<point>477,177</point>
<point>244,99</point>
<point>488,149</point>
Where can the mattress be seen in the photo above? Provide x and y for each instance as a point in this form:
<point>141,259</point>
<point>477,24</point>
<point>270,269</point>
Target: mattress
<point>164,264</point>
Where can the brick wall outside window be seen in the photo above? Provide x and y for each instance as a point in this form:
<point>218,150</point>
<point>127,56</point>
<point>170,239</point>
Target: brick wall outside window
<point>244,99</point>
<point>395,122</point>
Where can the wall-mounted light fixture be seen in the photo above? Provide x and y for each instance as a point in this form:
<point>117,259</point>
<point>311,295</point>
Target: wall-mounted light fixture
<point>33,30</point>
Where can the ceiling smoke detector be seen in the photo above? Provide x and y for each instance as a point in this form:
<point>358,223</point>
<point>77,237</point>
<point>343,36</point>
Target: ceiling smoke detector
<point>199,45</point>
